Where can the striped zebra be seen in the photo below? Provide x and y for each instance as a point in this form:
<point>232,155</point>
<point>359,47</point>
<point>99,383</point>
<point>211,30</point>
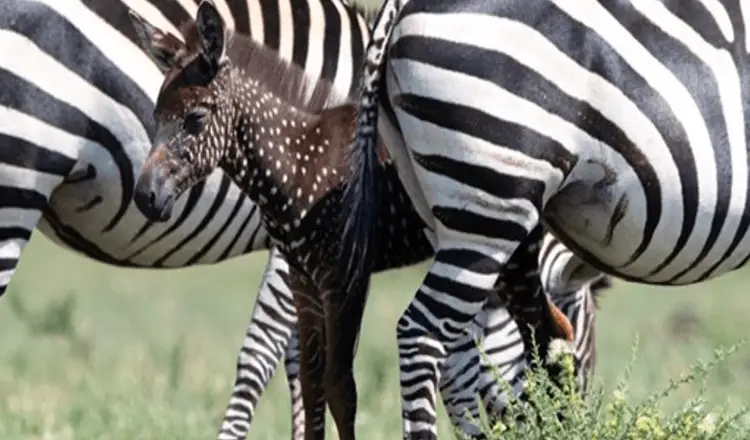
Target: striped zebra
<point>76,125</point>
<point>622,124</point>
<point>76,188</point>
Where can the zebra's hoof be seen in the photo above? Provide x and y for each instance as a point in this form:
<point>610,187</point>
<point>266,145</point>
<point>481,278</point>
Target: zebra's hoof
<point>558,350</point>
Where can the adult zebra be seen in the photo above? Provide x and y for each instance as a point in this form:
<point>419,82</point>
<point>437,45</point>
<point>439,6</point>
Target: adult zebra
<point>76,126</point>
<point>620,123</point>
<point>83,144</point>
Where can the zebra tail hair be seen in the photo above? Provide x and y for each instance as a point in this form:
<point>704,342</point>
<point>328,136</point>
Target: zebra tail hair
<point>359,204</point>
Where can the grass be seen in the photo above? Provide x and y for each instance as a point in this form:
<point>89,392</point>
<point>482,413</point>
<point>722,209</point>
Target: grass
<point>92,352</point>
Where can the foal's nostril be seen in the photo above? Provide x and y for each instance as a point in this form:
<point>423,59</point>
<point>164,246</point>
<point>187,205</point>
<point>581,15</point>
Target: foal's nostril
<point>152,199</point>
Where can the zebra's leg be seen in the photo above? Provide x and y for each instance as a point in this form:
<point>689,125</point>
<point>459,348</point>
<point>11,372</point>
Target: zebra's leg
<point>459,378</point>
<point>573,296</point>
<point>573,286</point>
<point>25,193</point>
<point>457,286</point>
<point>561,270</point>
<point>472,374</point>
<point>313,353</point>
<point>272,323</point>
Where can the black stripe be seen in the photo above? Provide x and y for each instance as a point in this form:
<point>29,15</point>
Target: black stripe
<point>474,223</point>
<point>251,242</point>
<point>22,198</point>
<point>484,178</point>
<point>301,23</point>
<point>8,263</point>
<point>31,100</point>
<point>331,40</point>
<point>241,15</point>
<point>171,10</point>
<point>695,14</point>
<point>79,243</point>
<point>470,259</point>
<point>271,21</point>
<point>24,154</point>
<point>15,232</point>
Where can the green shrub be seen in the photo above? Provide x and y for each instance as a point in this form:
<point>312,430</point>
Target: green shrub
<point>606,416</point>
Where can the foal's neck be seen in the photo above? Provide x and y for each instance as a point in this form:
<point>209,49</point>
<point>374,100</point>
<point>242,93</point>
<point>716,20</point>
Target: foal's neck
<point>286,160</point>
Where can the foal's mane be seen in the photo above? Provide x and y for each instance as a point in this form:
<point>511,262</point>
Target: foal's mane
<point>286,80</point>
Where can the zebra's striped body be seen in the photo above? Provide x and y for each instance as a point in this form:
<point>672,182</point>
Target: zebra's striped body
<point>84,143</point>
<point>620,124</point>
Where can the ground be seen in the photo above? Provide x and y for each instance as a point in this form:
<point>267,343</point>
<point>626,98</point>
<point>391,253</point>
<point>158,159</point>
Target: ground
<point>151,354</point>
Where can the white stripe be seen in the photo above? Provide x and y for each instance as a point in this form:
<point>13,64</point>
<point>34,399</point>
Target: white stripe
<point>314,61</point>
<point>37,132</point>
<point>255,17</point>
<point>11,249</point>
<point>344,67</point>
<point>226,14</point>
<point>25,178</point>
<point>286,30</point>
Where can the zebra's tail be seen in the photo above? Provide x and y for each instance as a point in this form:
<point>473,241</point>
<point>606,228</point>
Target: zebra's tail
<point>359,207</point>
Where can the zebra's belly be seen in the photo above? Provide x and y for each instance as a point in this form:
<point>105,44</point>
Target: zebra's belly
<point>93,218</point>
<point>610,221</point>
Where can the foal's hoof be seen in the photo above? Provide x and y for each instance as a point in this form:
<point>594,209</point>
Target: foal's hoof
<point>559,350</point>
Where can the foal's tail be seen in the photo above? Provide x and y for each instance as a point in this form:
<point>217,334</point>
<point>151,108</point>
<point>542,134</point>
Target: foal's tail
<point>359,204</point>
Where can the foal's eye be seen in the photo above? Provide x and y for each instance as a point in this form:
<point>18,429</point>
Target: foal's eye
<point>195,121</point>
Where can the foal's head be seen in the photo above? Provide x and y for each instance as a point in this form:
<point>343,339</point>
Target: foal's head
<point>229,102</point>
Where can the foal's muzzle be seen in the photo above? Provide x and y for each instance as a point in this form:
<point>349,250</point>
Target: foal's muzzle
<point>155,192</point>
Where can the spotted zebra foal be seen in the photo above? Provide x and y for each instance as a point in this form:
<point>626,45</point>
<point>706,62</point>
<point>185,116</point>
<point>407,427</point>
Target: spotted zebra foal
<point>228,102</point>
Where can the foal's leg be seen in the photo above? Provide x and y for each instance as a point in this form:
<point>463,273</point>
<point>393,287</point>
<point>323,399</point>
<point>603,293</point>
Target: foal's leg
<point>292,367</point>
<point>312,353</point>
<point>343,324</point>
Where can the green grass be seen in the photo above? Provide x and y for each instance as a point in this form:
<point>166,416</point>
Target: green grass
<point>150,354</point>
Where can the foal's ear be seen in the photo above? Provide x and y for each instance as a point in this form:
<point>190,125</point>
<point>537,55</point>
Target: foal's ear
<point>161,46</point>
<point>212,33</point>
